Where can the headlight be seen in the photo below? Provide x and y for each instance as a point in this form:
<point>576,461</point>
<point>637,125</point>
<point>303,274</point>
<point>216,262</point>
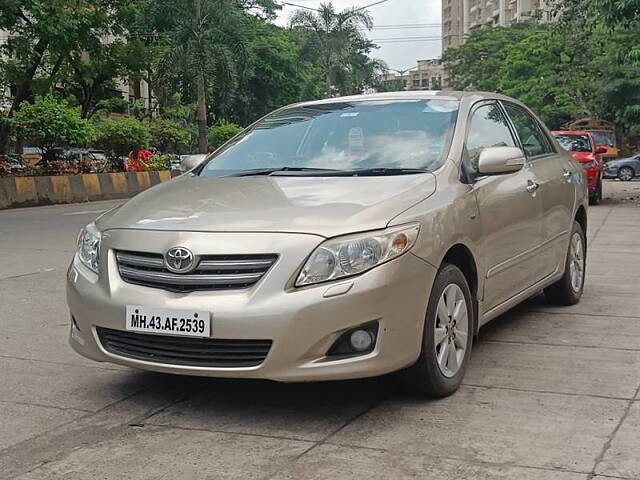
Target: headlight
<point>353,254</point>
<point>89,247</point>
<point>590,164</point>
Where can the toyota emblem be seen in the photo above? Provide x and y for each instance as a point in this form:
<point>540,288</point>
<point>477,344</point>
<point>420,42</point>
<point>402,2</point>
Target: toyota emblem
<point>179,260</point>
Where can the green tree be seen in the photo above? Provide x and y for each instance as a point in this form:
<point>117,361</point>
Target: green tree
<point>51,123</point>
<point>538,71</point>
<point>221,132</point>
<point>200,42</point>
<point>43,36</point>
<point>272,74</point>
<point>123,135</point>
<point>475,65</point>
<point>91,75</point>
<point>337,44</point>
<point>607,33</point>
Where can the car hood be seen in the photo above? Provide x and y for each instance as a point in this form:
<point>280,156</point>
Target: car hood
<point>326,206</point>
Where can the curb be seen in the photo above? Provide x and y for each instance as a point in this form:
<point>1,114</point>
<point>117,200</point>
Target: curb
<point>18,192</point>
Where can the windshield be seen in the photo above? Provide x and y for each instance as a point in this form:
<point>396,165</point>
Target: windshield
<point>574,143</point>
<point>603,138</point>
<point>344,136</point>
<point>98,155</point>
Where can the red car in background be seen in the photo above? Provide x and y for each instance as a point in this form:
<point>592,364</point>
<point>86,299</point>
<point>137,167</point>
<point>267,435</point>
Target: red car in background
<point>583,148</point>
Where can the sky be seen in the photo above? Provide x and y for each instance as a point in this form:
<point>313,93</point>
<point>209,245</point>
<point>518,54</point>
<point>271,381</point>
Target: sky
<point>397,20</point>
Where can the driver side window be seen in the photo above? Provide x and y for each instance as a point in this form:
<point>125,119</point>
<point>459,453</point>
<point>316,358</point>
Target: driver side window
<point>488,127</point>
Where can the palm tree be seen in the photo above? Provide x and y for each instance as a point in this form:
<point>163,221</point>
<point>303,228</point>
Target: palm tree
<point>200,49</point>
<point>333,39</point>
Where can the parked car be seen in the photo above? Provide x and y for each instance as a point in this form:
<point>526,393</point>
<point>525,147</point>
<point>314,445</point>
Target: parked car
<point>582,147</point>
<point>603,133</point>
<point>341,238</point>
<point>12,164</point>
<point>625,169</point>
<point>187,162</point>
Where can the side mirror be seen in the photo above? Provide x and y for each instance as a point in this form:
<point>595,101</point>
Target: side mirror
<point>187,162</point>
<point>500,160</point>
<point>601,149</point>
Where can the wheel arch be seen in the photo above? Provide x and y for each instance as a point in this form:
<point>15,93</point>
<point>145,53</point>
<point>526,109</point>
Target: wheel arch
<point>581,218</point>
<point>460,256</point>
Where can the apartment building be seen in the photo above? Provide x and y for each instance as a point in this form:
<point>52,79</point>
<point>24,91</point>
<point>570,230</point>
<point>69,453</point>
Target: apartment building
<point>426,75</point>
<point>461,16</point>
<point>5,93</point>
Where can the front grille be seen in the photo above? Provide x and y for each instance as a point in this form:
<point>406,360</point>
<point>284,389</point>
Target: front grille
<point>213,272</point>
<point>196,352</point>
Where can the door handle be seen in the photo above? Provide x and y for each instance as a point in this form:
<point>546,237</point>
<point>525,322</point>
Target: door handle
<point>567,175</point>
<point>532,186</point>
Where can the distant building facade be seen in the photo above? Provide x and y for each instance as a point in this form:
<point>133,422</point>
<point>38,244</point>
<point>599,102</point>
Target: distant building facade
<point>427,75</point>
<point>461,16</point>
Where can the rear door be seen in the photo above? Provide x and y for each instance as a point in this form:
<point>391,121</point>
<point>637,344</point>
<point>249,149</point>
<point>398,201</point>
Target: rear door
<point>555,179</point>
<point>510,214</point>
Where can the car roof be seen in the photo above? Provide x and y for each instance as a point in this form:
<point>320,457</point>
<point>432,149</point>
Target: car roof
<point>570,132</point>
<point>411,95</point>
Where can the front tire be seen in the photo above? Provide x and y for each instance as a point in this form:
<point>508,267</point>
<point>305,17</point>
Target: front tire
<point>568,290</point>
<point>447,337</point>
<point>596,197</point>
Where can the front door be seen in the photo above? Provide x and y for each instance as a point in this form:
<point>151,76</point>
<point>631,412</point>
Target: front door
<point>556,190</point>
<point>510,211</point>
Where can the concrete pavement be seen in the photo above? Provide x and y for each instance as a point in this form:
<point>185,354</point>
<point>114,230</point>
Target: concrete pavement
<point>551,393</point>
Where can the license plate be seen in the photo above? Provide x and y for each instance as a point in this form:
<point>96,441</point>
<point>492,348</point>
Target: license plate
<point>187,323</point>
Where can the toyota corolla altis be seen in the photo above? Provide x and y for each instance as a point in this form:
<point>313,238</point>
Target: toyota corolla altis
<point>342,238</point>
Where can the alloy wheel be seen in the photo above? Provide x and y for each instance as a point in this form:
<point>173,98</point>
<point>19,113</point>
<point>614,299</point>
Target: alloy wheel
<point>577,261</point>
<point>451,330</point>
<point>625,174</point>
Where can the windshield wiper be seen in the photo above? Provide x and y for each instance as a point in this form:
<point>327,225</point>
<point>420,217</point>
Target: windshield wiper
<point>279,170</point>
<point>373,172</point>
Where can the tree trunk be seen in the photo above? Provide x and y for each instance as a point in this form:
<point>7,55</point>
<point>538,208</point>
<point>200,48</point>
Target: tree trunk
<point>4,137</point>
<point>22,92</point>
<point>201,117</point>
<point>203,146</point>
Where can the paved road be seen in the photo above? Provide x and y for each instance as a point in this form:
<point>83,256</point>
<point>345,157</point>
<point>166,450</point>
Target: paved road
<point>552,393</point>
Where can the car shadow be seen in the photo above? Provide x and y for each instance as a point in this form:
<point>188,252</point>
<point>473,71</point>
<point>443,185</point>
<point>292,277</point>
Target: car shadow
<point>256,405</point>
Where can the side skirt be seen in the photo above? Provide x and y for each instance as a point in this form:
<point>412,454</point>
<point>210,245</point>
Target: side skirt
<point>518,298</point>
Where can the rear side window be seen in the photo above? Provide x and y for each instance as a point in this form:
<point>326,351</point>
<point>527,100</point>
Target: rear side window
<point>534,141</point>
<point>488,127</point>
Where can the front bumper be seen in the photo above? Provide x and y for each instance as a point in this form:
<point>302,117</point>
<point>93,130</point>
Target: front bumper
<point>593,178</point>
<point>302,323</point>
<point>610,172</point>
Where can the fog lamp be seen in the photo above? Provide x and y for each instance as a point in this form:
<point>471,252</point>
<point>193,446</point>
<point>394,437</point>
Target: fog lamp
<point>361,340</point>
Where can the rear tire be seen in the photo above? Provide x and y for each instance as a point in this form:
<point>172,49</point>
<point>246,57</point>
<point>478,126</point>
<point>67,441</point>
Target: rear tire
<point>568,290</point>
<point>447,337</point>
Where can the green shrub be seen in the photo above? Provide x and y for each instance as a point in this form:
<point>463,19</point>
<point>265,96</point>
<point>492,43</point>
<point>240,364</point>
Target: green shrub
<point>160,162</point>
<point>168,136</point>
<point>50,122</point>
<point>122,135</point>
<point>221,132</point>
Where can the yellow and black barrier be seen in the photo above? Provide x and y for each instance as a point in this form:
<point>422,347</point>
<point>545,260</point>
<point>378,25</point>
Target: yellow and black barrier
<point>48,190</point>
